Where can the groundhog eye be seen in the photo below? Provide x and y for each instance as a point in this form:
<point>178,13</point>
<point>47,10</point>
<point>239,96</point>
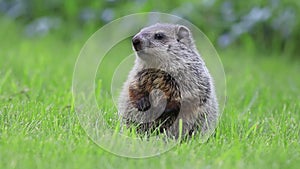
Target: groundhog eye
<point>159,36</point>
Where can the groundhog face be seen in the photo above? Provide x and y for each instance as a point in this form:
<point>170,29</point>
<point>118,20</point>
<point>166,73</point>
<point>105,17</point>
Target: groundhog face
<point>156,41</point>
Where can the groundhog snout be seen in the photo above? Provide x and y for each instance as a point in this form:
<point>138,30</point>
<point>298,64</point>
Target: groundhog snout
<point>137,43</point>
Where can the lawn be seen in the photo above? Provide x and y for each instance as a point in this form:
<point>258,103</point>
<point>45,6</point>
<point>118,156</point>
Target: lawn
<point>259,127</point>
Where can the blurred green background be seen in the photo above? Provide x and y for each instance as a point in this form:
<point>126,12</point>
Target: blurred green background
<point>270,25</point>
<point>258,43</point>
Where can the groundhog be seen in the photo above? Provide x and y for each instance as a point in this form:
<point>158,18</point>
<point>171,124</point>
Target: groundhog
<point>169,88</point>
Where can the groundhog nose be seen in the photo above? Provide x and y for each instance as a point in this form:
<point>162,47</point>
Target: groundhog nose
<point>136,41</point>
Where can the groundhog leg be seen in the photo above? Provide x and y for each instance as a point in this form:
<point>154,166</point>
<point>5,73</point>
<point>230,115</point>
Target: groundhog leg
<point>139,98</point>
<point>143,104</point>
<point>172,106</point>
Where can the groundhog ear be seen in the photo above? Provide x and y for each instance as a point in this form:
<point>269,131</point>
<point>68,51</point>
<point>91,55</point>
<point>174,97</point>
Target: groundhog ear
<point>183,34</point>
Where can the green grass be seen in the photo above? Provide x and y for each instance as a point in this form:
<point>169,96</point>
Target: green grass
<point>39,128</point>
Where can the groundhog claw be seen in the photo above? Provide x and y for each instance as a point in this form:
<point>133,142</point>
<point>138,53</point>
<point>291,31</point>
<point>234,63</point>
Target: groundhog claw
<point>143,104</point>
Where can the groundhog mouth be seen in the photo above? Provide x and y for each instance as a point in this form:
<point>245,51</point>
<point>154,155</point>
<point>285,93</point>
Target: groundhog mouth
<point>137,43</point>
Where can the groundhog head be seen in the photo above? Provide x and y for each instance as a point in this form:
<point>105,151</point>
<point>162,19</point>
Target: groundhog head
<point>161,42</point>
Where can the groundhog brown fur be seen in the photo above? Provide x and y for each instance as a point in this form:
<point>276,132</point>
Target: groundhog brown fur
<point>168,84</point>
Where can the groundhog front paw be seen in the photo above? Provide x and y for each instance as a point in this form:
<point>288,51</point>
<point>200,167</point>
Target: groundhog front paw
<point>143,104</point>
